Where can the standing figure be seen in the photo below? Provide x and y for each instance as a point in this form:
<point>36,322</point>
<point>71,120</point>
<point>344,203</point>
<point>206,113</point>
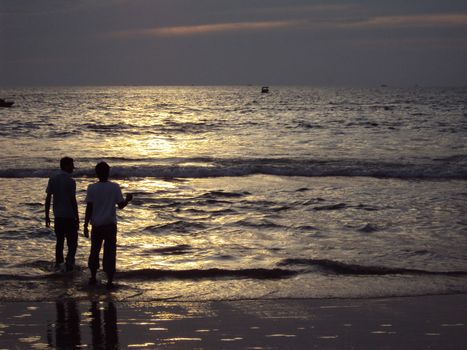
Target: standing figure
<point>102,199</point>
<point>62,188</point>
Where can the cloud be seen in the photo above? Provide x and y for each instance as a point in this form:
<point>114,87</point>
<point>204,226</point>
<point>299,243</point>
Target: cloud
<point>401,21</point>
<point>267,9</point>
<point>432,20</point>
<point>191,30</point>
<point>53,7</point>
<point>412,43</point>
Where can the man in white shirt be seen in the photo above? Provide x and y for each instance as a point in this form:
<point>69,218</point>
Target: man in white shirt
<point>102,199</point>
<point>62,188</point>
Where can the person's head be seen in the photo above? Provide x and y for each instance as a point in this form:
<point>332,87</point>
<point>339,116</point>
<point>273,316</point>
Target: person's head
<point>102,171</point>
<point>66,164</point>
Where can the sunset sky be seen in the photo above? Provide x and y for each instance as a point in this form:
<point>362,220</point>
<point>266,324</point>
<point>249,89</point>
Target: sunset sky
<point>179,42</point>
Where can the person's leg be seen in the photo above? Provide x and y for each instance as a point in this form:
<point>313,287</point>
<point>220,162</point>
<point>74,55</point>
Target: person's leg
<point>110,253</point>
<point>72,243</point>
<point>60,240</point>
<point>93,261</point>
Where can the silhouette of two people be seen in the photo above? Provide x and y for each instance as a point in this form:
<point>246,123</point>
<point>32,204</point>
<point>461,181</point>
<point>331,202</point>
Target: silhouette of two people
<point>102,199</point>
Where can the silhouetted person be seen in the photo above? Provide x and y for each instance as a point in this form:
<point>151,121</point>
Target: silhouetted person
<point>102,199</point>
<point>62,189</point>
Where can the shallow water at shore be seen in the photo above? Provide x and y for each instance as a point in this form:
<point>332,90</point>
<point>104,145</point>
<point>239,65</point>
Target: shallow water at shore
<point>253,237</point>
<point>302,192</point>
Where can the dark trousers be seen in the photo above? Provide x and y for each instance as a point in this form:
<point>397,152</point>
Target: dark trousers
<point>66,228</point>
<point>108,235</point>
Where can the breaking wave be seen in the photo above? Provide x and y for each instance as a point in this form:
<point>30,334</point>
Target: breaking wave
<point>254,273</point>
<point>341,268</point>
<point>155,274</point>
<point>449,168</point>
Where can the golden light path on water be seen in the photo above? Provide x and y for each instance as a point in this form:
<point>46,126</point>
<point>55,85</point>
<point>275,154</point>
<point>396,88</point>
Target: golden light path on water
<point>138,221</point>
<point>165,146</point>
<point>135,225</point>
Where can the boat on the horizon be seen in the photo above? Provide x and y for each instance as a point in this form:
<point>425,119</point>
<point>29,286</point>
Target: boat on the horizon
<point>4,103</point>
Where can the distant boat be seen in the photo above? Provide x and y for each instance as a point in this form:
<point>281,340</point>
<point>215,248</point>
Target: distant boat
<point>4,103</point>
<point>265,89</point>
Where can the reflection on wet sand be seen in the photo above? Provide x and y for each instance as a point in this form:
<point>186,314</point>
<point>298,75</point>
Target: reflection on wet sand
<point>104,336</point>
<point>431,322</point>
<point>66,327</point>
<point>65,332</point>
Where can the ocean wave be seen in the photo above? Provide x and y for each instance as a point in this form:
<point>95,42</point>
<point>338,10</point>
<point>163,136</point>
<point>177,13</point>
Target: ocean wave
<point>156,274</point>
<point>368,228</point>
<point>287,268</point>
<point>340,268</point>
<point>171,250</point>
<point>35,270</point>
<point>331,207</point>
<point>254,273</point>
<point>175,226</point>
<point>257,224</point>
<point>216,194</point>
<point>449,168</point>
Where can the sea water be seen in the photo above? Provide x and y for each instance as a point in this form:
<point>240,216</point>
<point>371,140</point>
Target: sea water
<point>298,193</point>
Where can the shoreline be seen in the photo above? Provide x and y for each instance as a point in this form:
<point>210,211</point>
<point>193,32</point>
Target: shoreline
<point>435,322</point>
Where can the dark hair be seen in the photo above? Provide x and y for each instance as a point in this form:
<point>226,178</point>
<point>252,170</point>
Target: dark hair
<point>102,171</point>
<point>66,162</point>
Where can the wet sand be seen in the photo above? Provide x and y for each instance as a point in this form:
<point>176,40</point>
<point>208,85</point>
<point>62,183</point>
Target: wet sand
<point>430,322</point>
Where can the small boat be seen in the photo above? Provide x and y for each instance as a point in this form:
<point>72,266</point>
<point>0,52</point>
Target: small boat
<point>4,103</point>
<point>265,89</point>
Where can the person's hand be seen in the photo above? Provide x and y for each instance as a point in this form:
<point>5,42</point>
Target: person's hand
<point>86,231</point>
<point>47,221</point>
<point>129,197</point>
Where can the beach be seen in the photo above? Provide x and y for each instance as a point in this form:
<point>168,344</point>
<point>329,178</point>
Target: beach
<point>249,174</point>
<point>425,322</point>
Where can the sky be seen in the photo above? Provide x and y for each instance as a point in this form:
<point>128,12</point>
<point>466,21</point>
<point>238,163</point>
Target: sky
<point>231,42</point>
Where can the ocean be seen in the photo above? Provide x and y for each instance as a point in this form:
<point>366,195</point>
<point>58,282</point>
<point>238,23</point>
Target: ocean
<point>302,192</point>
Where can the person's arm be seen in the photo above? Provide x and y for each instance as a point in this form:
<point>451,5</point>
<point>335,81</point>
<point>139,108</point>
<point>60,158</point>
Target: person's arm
<point>75,209</point>
<point>47,209</point>
<point>128,199</point>
<point>74,203</point>
<point>87,218</point>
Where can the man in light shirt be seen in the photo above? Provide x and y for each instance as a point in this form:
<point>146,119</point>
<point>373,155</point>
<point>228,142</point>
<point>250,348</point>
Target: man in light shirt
<point>102,199</point>
<point>62,189</point>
